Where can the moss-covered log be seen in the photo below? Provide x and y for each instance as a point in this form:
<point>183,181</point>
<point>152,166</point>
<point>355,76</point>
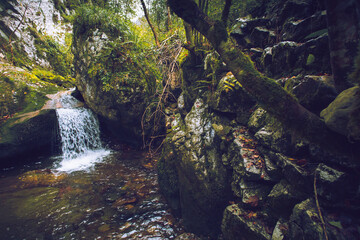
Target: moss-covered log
<point>269,94</point>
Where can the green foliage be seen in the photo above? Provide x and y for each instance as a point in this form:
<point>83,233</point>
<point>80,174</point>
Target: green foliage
<point>89,18</point>
<point>230,83</point>
<point>59,57</point>
<point>310,59</point>
<point>123,63</point>
<point>316,34</point>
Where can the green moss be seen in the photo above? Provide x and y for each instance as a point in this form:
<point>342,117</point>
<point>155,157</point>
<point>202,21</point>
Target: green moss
<point>50,77</point>
<point>310,59</point>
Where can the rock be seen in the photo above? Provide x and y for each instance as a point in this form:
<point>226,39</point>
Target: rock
<point>283,198</point>
<point>168,176</point>
<point>305,29</point>
<point>240,224</point>
<point>305,223</point>
<point>230,97</point>
<point>280,230</point>
<point>111,90</point>
<point>250,33</point>
<point>254,191</point>
<point>342,114</point>
<point>275,137</point>
<point>292,172</point>
<point>289,57</point>
<point>333,185</point>
<point>313,92</point>
<point>257,119</point>
<point>191,171</point>
<point>187,236</point>
<point>296,9</point>
<point>28,136</point>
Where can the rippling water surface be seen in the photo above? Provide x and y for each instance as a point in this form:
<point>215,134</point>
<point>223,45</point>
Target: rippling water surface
<point>117,198</point>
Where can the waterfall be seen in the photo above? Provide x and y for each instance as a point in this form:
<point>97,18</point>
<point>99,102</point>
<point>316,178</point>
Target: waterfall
<point>80,136</point>
<point>79,131</point>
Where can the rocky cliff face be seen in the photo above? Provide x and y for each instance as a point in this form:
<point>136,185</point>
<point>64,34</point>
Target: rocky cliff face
<point>227,160</point>
<point>18,18</point>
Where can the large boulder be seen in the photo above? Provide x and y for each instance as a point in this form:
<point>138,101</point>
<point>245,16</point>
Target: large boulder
<point>28,136</point>
<point>112,85</point>
<point>342,115</point>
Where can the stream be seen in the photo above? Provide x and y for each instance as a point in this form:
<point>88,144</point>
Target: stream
<point>89,191</point>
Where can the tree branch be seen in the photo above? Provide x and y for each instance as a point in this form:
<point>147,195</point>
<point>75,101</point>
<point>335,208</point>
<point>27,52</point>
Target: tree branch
<point>270,95</point>
<point>150,24</point>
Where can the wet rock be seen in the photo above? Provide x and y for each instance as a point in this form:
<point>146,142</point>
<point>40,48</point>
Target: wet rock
<point>240,224</point>
<point>313,92</point>
<point>343,113</point>
<point>29,135</point>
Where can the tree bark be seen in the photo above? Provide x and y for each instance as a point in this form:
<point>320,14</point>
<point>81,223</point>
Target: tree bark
<point>150,24</point>
<point>270,95</point>
<point>226,11</point>
<point>344,34</point>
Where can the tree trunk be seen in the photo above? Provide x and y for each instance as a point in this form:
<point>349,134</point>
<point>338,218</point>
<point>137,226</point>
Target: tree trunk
<point>226,11</point>
<point>344,34</point>
<point>268,93</point>
<point>150,24</point>
<point>168,20</point>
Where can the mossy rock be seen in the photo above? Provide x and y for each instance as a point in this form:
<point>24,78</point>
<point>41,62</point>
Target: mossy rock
<point>31,134</point>
<point>342,115</point>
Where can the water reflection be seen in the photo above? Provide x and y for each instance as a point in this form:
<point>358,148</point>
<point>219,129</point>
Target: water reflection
<point>118,199</point>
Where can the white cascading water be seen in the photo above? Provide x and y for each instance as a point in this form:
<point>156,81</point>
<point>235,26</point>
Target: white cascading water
<point>80,136</point>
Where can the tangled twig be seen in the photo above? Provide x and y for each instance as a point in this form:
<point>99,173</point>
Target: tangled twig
<point>168,54</point>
